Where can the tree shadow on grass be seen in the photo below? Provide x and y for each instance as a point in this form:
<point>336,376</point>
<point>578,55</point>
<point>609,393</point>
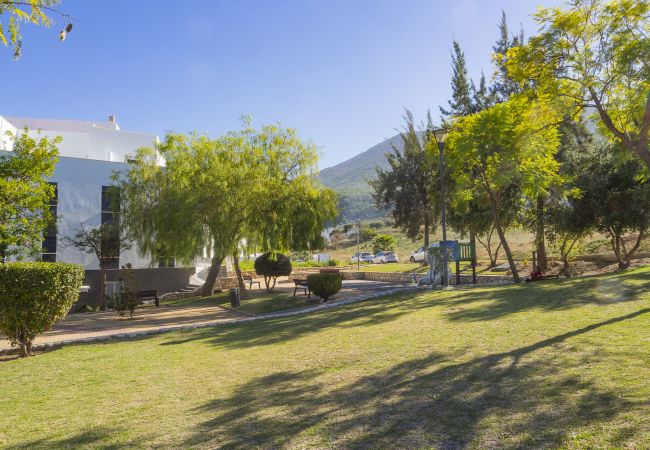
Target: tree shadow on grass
<point>511,399</point>
<point>247,334</point>
<point>548,295</point>
<point>99,437</point>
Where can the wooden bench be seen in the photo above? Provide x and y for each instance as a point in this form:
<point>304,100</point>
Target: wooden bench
<point>301,284</point>
<point>249,279</point>
<point>149,295</point>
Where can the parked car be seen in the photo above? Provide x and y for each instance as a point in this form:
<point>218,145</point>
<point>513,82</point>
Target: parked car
<point>420,255</point>
<point>384,257</point>
<point>363,257</point>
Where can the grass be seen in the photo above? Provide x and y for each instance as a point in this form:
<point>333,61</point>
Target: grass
<point>260,301</point>
<point>548,364</point>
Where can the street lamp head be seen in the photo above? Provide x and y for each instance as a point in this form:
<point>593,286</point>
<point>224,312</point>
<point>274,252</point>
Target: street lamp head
<point>440,134</point>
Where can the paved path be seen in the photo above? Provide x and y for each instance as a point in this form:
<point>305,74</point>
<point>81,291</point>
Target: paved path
<point>89,327</point>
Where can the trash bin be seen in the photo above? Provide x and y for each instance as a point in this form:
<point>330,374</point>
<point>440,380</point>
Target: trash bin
<point>234,297</point>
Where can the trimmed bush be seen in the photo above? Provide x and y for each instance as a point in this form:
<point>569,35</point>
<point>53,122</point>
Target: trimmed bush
<point>325,284</point>
<point>272,268</point>
<point>34,296</point>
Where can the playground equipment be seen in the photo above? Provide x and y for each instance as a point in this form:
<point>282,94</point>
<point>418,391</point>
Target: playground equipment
<point>457,252</point>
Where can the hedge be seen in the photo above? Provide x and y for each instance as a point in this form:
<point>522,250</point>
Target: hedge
<point>34,296</point>
<point>325,284</point>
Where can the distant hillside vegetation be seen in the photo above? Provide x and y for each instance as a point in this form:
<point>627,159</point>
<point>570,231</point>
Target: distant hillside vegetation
<point>350,180</point>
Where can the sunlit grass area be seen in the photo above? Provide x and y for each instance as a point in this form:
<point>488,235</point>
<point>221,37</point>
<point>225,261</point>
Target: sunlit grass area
<point>549,364</point>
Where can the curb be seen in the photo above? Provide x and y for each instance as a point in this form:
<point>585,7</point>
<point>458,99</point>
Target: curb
<point>277,315</point>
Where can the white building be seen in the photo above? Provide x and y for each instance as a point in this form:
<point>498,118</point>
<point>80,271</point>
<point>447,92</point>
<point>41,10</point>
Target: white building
<point>88,155</point>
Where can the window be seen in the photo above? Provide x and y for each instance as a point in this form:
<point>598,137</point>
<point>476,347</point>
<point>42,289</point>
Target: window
<point>110,216</point>
<point>48,252</point>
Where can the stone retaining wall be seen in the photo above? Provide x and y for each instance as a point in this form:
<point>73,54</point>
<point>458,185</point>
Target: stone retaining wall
<point>396,277</point>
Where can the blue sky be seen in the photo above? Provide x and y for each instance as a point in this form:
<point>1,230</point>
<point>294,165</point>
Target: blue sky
<point>339,71</point>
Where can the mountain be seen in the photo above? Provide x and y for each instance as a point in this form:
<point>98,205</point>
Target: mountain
<point>350,180</point>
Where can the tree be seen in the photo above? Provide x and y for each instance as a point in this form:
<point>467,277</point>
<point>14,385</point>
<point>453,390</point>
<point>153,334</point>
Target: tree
<point>597,54</point>
<point>615,197</point>
<point>212,193</point>
<point>461,96</point>
<point>383,242</point>
<point>25,194</point>
<point>410,183</point>
<point>106,242</point>
<point>31,11</point>
<point>504,85</point>
<point>271,267</point>
<point>508,146</point>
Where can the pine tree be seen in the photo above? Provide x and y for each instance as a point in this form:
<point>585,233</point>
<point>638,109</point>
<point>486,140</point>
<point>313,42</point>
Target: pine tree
<point>461,97</point>
<point>504,86</point>
<point>480,97</point>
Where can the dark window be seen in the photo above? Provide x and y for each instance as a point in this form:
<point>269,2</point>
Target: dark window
<point>48,252</point>
<point>110,216</point>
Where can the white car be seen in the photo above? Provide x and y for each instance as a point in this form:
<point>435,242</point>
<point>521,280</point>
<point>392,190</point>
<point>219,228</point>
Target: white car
<point>420,255</point>
<point>384,257</point>
<point>363,257</point>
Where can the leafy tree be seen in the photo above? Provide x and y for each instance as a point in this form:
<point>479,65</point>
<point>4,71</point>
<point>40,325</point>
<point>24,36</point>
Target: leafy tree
<point>615,197</point>
<point>107,242</point>
<point>210,194</point>
<point>508,146</point>
<point>383,243</point>
<point>461,96</point>
<point>25,194</point>
<point>271,267</point>
<point>410,184</point>
<point>31,11</point>
<point>597,54</point>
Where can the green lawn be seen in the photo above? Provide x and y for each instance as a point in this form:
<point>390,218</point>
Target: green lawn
<point>549,364</point>
<point>260,301</point>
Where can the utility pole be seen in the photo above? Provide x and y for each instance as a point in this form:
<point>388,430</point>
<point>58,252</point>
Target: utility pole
<point>358,245</point>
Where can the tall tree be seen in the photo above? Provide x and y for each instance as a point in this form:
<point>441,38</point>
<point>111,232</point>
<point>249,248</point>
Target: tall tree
<point>213,193</point>
<point>25,193</point>
<point>508,146</point>
<point>461,95</point>
<point>410,183</point>
<point>504,85</point>
<point>597,54</point>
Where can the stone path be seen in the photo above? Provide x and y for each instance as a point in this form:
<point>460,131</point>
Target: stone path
<point>103,326</point>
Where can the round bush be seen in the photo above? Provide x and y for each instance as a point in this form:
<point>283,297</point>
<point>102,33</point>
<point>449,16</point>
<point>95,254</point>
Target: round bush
<point>325,284</point>
<point>34,296</point>
<point>272,268</point>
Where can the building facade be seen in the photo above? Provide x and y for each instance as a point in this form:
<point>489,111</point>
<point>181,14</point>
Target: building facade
<point>89,154</point>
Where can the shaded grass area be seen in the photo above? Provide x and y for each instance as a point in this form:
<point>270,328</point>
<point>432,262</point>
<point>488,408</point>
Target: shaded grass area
<point>548,364</point>
<point>259,301</point>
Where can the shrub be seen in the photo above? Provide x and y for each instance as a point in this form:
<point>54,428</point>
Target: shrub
<point>271,268</point>
<point>324,284</point>
<point>383,242</point>
<point>332,262</point>
<point>34,296</point>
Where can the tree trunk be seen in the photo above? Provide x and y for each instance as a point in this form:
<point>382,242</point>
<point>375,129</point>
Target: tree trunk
<point>243,293</point>
<point>102,287</point>
<point>426,230</point>
<point>211,279</point>
<point>502,238</point>
<point>542,261</point>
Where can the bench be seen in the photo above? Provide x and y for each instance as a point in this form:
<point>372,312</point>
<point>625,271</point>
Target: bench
<point>149,295</point>
<point>301,284</point>
<point>249,279</point>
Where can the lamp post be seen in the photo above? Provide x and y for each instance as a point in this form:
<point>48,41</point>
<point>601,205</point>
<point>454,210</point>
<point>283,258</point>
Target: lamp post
<point>439,136</point>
